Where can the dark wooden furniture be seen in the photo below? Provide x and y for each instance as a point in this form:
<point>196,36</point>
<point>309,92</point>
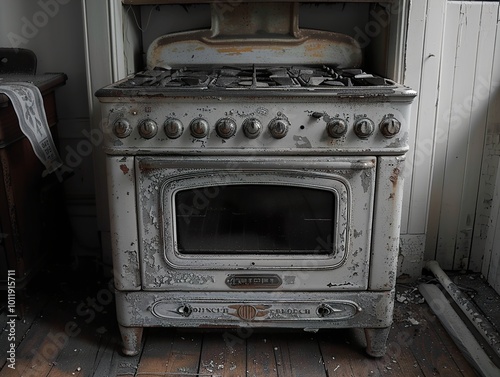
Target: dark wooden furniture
<point>29,203</point>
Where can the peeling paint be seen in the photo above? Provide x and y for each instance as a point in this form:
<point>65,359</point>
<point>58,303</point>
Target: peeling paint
<point>366,180</point>
<point>130,269</point>
<point>178,277</point>
<point>302,142</point>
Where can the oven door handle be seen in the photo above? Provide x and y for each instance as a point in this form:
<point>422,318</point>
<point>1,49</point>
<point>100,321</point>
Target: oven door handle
<point>261,164</point>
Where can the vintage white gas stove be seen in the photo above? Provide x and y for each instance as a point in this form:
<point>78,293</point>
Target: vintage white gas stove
<point>255,181</point>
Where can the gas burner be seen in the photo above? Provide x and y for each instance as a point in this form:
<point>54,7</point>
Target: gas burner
<point>169,78</point>
<point>253,77</point>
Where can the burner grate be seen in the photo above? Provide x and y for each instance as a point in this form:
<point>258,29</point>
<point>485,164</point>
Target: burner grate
<point>253,77</point>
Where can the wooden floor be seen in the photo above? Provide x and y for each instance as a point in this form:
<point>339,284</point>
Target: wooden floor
<point>69,329</point>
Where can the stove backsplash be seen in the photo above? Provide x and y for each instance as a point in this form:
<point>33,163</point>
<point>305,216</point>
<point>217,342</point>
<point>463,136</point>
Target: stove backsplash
<point>368,23</point>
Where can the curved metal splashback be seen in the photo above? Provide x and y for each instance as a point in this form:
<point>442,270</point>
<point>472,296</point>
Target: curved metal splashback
<point>254,33</point>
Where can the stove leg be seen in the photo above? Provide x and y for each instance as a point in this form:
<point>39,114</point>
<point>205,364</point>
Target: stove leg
<point>132,339</point>
<point>376,341</point>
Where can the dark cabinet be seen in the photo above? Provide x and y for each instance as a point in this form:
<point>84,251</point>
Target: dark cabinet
<point>29,203</point>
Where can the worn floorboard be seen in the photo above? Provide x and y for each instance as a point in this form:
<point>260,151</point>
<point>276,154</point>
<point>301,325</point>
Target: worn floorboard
<point>70,330</point>
<point>261,360</point>
<point>305,355</point>
<point>349,353</point>
<point>155,353</point>
<point>105,363</point>
<point>223,354</point>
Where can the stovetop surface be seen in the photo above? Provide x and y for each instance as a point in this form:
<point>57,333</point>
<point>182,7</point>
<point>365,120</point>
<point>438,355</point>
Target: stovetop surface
<point>253,77</point>
<point>269,81</point>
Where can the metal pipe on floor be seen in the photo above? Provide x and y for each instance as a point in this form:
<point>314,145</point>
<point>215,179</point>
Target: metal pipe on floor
<point>457,329</point>
<point>480,322</point>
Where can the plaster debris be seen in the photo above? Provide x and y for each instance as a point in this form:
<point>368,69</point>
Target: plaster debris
<point>413,321</point>
<point>401,298</point>
<point>409,295</point>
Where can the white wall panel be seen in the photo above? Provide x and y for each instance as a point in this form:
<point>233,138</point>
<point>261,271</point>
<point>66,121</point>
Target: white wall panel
<point>413,75</point>
<point>466,69</point>
<point>441,132</point>
<point>464,65</point>
<point>423,57</point>
<point>426,113</point>
<point>477,130</point>
<point>456,106</point>
<point>485,255</point>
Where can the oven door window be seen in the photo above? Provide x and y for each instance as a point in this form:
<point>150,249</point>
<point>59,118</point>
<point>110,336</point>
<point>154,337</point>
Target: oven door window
<point>255,219</point>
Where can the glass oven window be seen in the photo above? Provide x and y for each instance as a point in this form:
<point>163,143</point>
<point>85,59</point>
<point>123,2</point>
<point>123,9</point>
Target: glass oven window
<point>255,219</point>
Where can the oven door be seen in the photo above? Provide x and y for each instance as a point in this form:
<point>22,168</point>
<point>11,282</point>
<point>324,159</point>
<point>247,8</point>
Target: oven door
<point>259,223</point>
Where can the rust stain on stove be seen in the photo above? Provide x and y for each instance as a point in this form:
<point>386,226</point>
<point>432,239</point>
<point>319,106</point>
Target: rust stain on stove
<point>315,49</point>
<point>395,176</point>
<point>124,168</point>
<point>234,50</point>
<point>238,50</point>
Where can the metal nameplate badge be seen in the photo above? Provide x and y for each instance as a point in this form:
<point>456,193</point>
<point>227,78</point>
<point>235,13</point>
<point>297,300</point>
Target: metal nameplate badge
<point>254,281</point>
<point>253,311</point>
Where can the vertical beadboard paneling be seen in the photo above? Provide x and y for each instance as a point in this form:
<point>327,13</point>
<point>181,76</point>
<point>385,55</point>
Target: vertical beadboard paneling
<point>494,128</point>
<point>442,126</point>
<point>422,162</point>
<point>415,38</point>
<point>486,246</point>
<point>492,251</point>
<point>494,270</point>
<point>428,94</point>
<point>477,130</point>
<point>487,207</point>
<point>450,119</point>
<point>458,135</point>
<point>491,254</point>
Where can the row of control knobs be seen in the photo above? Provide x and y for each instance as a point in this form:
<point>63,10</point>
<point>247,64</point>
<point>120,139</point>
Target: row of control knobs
<point>252,127</point>
<point>363,127</point>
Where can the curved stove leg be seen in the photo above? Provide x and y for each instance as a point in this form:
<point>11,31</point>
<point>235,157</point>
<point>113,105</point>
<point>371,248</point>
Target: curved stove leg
<point>132,339</point>
<point>376,341</point>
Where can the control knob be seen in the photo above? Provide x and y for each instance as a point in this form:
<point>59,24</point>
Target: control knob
<point>173,128</point>
<point>225,127</point>
<point>122,128</point>
<point>279,127</point>
<point>364,127</point>
<point>390,126</point>
<point>336,128</point>
<point>251,127</point>
<point>148,128</point>
<point>199,128</point>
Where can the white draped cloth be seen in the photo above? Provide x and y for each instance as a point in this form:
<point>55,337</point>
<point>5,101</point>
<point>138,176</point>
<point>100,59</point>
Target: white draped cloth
<point>28,105</point>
